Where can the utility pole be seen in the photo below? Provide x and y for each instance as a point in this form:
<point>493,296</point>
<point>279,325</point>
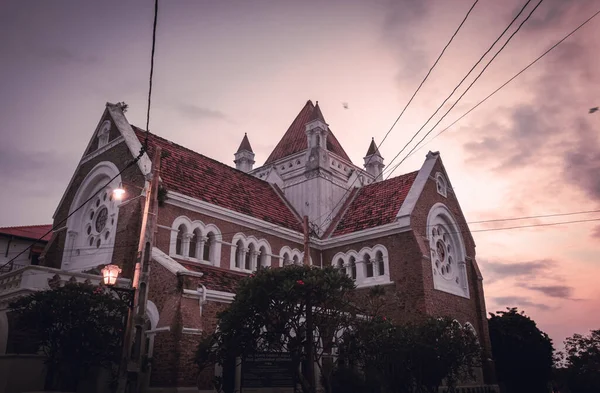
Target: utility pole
<point>309,349</point>
<point>132,357</point>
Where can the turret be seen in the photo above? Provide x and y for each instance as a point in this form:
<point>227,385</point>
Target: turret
<point>374,161</point>
<point>244,157</point>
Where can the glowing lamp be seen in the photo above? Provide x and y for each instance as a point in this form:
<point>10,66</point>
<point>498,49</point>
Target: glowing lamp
<point>110,274</point>
<point>119,192</point>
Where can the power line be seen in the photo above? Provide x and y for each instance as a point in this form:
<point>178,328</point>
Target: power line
<point>407,104</point>
<point>466,90</point>
<point>510,80</point>
<point>463,79</point>
<point>142,150</point>
<point>103,248</point>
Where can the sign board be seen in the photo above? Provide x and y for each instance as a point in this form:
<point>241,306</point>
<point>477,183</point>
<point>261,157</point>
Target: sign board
<point>268,372</point>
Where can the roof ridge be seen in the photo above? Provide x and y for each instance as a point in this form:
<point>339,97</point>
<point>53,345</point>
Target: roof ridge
<point>27,226</point>
<point>202,155</point>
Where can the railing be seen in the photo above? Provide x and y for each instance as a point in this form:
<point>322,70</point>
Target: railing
<point>27,279</point>
<point>10,267</point>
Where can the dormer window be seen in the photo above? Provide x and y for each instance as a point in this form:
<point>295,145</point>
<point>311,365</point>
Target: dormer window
<point>103,134</point>
<point>441,184</point>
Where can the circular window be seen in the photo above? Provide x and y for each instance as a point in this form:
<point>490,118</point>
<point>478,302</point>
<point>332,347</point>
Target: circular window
<point>442,252</point>
<point>101,219</point>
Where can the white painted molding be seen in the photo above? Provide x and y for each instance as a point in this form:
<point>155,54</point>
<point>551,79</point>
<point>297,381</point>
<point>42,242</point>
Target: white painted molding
<point>101,150</point>
<point>158,330</point>
<point>211,295</point>
<point>170,264</point>
<point>191,331</point>
<point>417,187</point>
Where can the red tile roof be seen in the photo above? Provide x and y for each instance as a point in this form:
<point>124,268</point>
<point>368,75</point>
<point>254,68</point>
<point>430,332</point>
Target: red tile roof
<point>192,174</point>
<point>376,204</point>
<point>33,232</point>
<point>294,139</point>
<point>216,278</point>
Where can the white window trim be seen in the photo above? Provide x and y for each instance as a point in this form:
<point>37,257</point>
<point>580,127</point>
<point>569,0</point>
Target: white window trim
<point>78,255</point>
<point>246,242</point>
<point>191,226</point>
<point>104,134</point>
<point>293,253</point>
<point>361,270</point>
<point>439,214</point>
<point>441,184</point>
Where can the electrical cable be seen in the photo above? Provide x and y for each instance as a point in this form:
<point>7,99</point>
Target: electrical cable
<point>463,79</point>
<point>510,80</point>
<point>409,101</point>
<point>463,94</point>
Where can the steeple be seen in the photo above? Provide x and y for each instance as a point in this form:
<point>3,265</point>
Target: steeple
<point>316,129</point>
<point>374,161</point>
<point>244,157</point>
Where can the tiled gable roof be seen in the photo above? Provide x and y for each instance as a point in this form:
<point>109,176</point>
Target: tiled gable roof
<point>33,232</point>
<point>294,139</point>
<point>192,174</point>
<point>376,204</point>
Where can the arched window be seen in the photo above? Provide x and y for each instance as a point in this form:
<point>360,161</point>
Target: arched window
<point>248,258</point>
<point>352,268</point>
<point>261,260</point>
<point>368,265</point>
<point>208,245</point>
<point>286,259</point>
<point>380,263</point>
<point>181,232</point>
<point>194,243</point>
<point>340,265</point>
<point>239,255</point>
<point>295,259</point>
<point>441,184</point>
<point>447,252</point>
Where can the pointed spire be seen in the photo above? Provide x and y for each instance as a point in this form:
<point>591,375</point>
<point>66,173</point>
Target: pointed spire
<point>372,148</point>
<point>245,145</point>
<point>317,114</point>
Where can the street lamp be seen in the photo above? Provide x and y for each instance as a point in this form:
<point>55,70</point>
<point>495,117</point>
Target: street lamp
<point>110,274</point>
<point>119,192</point>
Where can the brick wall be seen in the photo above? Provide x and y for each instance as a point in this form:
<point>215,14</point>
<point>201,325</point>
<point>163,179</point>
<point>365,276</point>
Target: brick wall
<point>129,220</point>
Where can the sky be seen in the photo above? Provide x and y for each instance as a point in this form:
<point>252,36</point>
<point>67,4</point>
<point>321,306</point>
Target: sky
<point>225,68</point>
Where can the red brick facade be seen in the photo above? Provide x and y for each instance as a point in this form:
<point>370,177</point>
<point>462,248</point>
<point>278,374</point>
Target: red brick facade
<point>409,296</point>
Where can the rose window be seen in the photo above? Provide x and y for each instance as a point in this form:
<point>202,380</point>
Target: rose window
<point>442,253</point>
<point>99,221</point>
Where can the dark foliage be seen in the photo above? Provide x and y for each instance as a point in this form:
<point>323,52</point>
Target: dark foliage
<point>77,326</point>
<point>523,353</point>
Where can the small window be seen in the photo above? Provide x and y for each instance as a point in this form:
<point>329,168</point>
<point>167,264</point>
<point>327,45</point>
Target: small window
<point>239,256</point>
<point>248,259</point>
<point>286,259</point>
<point>340,265</point>
<point>194,243</point>
<point>352,268</point>
<point>103,134</point>
<point>295,259</point>
<point>210,240</point>
<point>368,265</point>
<point>441,184</point>
<point>261,259</point>
<point>380,263</point>
<point>179,244</point>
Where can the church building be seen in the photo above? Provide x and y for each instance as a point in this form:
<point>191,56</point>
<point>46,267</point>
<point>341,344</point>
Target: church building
<point>218,223</point>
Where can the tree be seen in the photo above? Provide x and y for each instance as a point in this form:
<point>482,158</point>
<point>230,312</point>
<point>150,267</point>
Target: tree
<point>523,353</point>
<point>296,309</point>
<point>583,362</point>
<point>415,357</point>
<point>78,327</point>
